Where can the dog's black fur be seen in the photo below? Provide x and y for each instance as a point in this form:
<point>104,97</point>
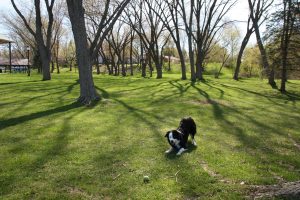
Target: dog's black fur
<point>187,126</point>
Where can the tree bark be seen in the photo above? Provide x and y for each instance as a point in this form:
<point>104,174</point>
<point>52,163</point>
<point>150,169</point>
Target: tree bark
<point>88,92</point>
<point>255,17</point>
<point>97,65</point>
<point>199,64</point>
<point>188,22</point>
<point>159,70</point>
<point>183,66</point>
<point>241,52</point>
<point>45,57</point>
<point>131,54</point>
<point>285,38</point>
<point>56,57</point>
<point>52,66</point>
<point>143,63</point>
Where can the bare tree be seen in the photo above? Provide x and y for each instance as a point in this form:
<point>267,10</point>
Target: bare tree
<point>44,45</point>
<point>58,32</point>
<point>208,22</point>
<point>151,33</point>
<point>86,53</point>
<point>132,37</point>
<point>118,39</point>
<point>101,17</point>
<point>290,11</point>
<point>188,23</point>
<point>88,92</point>
<point>258,9</point>
<point>69,54</point>
<point>19,33</point>
<point>249,31</point>
<point>223,49</point>
<point>170,14</point>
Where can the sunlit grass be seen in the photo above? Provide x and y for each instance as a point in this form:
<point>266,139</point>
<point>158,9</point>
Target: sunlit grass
<point>52,148</point>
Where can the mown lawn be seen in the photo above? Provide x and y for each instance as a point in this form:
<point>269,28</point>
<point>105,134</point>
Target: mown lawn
<point>52,148</point>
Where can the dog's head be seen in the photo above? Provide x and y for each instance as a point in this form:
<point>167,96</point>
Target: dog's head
<point>174,138</point>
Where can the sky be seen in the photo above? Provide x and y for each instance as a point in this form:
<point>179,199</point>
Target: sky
<point>5,7</point>
<point>239,13</point>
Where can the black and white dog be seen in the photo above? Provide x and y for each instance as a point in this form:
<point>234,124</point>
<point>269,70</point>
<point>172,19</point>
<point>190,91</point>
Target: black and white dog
<point>178,138</point>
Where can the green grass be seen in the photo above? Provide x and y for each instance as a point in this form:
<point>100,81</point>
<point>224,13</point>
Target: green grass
<point>51,148</point>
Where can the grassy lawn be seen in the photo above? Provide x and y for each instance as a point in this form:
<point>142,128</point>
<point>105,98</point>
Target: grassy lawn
<point>51,148</point>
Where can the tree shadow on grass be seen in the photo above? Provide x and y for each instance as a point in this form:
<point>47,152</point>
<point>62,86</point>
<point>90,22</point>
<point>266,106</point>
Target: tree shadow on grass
<point>217,111</point>
<point>208,83</point>
<point>55,147</point>
<point>269,98</point>
<point>293,97</point>
<point>15,83</point>
<point>133,176</point>
<point>139,114</point>
<point>181,88</point>
<point>19,120</point>
<point>249,143</point>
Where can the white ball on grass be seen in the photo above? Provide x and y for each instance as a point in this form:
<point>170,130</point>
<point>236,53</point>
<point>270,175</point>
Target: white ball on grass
<point>146,179</point>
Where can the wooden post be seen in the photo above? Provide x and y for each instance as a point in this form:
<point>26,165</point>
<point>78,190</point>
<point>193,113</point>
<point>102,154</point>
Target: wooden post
<point>28,64</point>
<point>9,46</point>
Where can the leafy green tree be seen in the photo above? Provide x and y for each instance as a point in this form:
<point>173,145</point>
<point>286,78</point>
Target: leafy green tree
<point>252,61</point>
<point>284,29</point>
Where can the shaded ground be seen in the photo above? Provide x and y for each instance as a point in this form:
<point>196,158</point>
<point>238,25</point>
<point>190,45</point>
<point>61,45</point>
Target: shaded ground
<point>51,148</point>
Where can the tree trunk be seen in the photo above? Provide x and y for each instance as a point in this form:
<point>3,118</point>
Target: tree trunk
<point>109,69</point>
<point>97,65</point>
<point>56,56</point>
<point>190,42</point>
<point>88,92</point>
<point>283,72</point>
<point>46,70</point>
<point>240,55</point>
<point>192,64</point>
<point>287,30</point>
<point>182,62</point>
<point>150,66</point>
<point>58,71</point>
<point>52,66</point>
<point>199,64</point>
<point>118,67</point>
<point>130,57</point>
<point>264,55</point>
<point>219,72</point>
<point>123,63</point>
<point>143,63</point>
<point>272,77</point>
<point>45,58</point>
<point>57,65</point>
<point>158,70</point>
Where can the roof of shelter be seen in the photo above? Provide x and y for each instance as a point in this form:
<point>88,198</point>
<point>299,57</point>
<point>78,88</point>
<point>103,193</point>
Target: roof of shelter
<point>4,40</point>
<point>4,61</point>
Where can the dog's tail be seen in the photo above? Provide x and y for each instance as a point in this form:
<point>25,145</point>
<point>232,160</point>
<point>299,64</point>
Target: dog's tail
<point>194,127</point>
<point>192,124</point>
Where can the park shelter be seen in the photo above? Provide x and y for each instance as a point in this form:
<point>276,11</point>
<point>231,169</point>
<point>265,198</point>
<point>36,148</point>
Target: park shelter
<point>16,65</point>
<point>4,40</point>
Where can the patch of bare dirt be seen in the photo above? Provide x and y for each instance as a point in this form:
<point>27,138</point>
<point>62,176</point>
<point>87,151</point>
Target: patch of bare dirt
<point>212,173</point>
<point>288,190</point>
<point>294,142</point>
<point>79,192</point>
<point>283,190</point>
